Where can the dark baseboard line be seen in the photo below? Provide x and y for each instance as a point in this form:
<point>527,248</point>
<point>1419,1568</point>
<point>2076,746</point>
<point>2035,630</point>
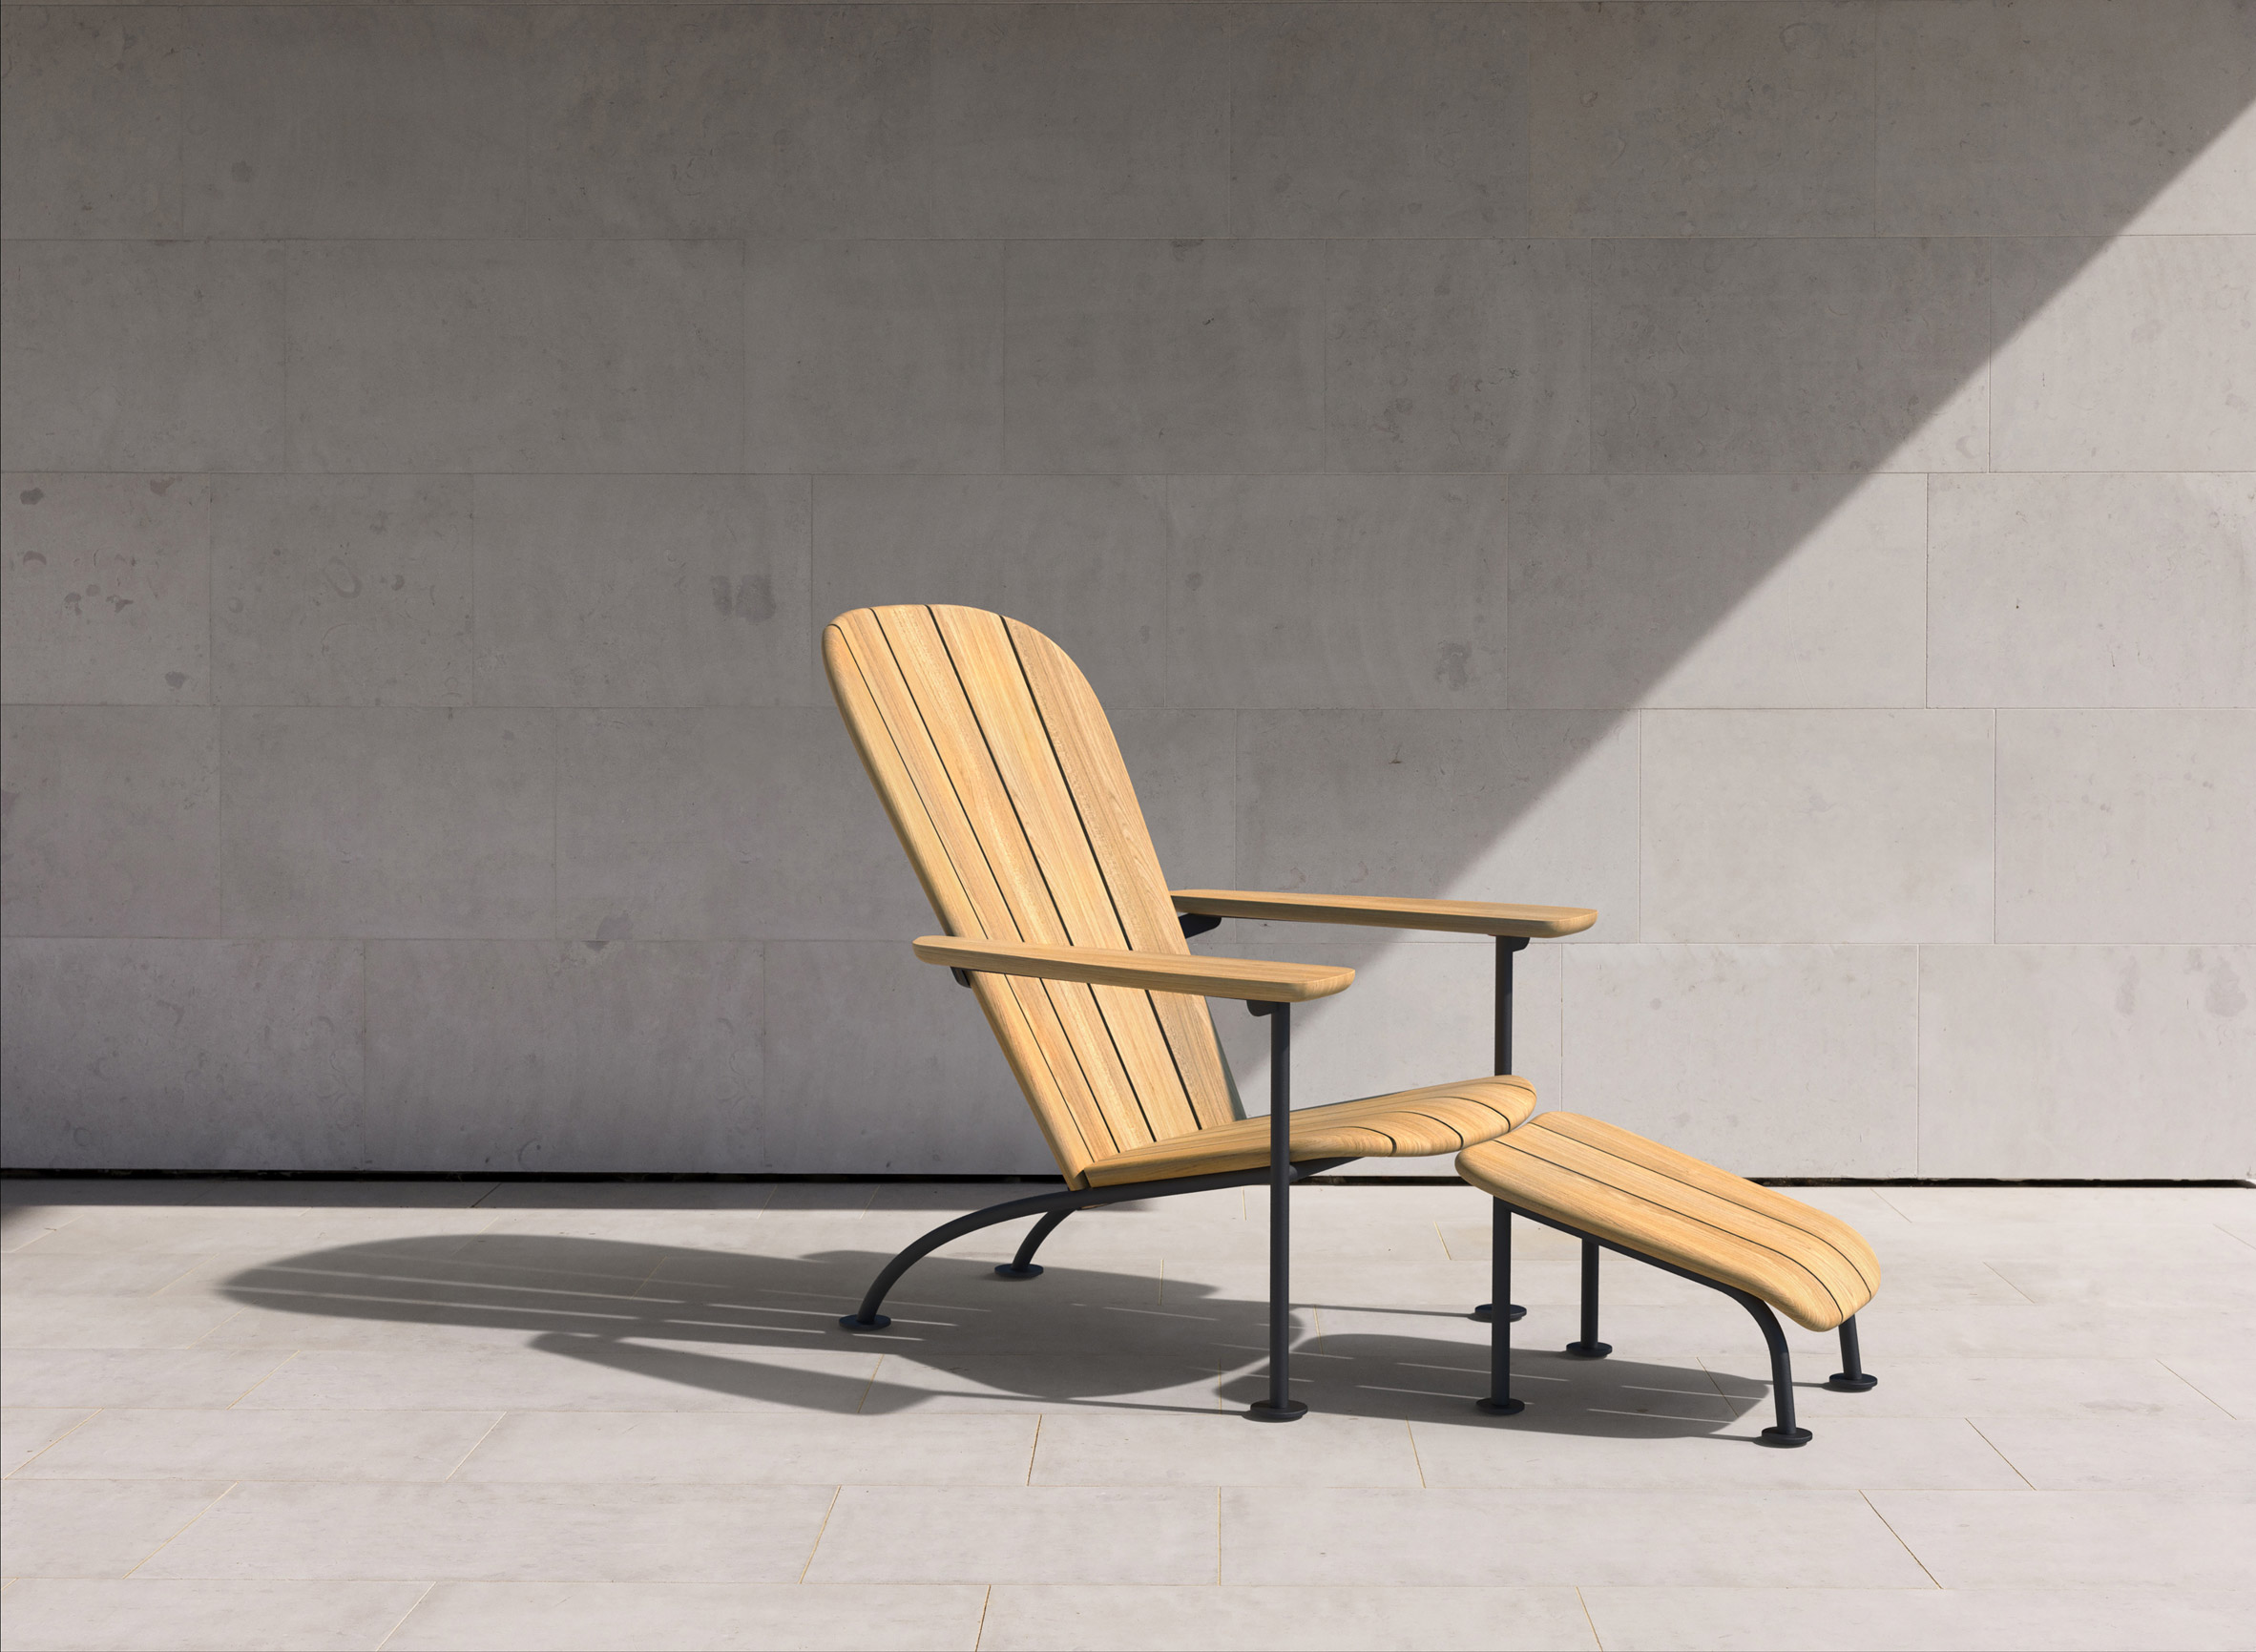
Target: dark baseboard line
<point>31,1173</point>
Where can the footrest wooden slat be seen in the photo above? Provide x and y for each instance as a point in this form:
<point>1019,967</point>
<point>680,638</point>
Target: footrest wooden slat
<point>1813,1267</point>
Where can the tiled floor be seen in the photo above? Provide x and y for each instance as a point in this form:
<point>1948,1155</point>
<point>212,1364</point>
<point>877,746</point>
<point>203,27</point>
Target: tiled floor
<point>448,1414</point>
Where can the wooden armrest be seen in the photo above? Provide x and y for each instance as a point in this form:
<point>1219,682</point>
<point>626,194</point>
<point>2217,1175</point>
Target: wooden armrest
<point>1152,972</point>
<point>1383,911</point>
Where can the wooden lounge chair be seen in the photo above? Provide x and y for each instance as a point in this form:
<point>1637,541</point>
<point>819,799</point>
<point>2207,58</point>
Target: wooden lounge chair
<point>1000,774</point>
<point>1617,1191</point>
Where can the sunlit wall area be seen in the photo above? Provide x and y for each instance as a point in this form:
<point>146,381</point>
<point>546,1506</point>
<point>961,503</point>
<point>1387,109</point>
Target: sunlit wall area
<point>1780,472</point>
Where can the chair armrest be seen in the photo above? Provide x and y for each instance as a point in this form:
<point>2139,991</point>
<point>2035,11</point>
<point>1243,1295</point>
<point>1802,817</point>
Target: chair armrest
<point>1383,912</point>
<point>1152,972</point>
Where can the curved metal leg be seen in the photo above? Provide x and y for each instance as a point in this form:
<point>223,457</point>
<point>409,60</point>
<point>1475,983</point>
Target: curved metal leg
<point>1851,1378</point>
<point>1590,1348</point>
<point>1022,1265</point>
<point>1054,1207</point>
<point>1499,1402</point>
<point>867,1318</point>
<point>1782,1372</point>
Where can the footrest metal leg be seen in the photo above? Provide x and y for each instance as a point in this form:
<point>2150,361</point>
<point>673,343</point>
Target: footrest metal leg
<point>1851,1378</point>
<point>1499,1402</point>
<point>1782,1376</point>
<point>1590,1348</point>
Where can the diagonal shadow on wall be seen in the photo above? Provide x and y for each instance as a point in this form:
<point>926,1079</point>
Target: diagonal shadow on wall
<point>1767,418</point>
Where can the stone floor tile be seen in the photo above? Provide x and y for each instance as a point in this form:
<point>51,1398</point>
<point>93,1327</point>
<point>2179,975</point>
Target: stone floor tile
<point>249,1445</point>
<point>2122,1453</point>
<point>735,1448</point>
<point>656,1534</point>
<point>2165,1246</point>
<point>47,1275</point>
<point>1050,1618</point>
<point>1387,1377</point>
<point>1021,1534</point>
<point>183,1229</point>
<point>2038,1330</point>
<point>25,1431</point>
<point>196,1615</point>
<point>2228,1384</point>
<point>1974,1387</point>
<point>666,1616</point>
<point>185,1378</point>
<point>1322,1449</point>
<point>933,1381</point>
<point>591,1375</point>
<point>1847,1455</point>
<point>2075,1539</point>
<point>1507,1535</point>
<point>2196,1287</point>
<point>2068,1208</point>
<point>97,1527</point>
<point>100,1322</point>
<point>728,1229</point>
<point>26,1225</point>
<point>2085,1620</point>
<point>263,1327</point>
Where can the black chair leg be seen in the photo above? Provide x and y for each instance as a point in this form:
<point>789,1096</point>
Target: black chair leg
<point>1499,1402</point>
<point>1782,1375</point>
<point>1590,1348</point>
<point>1851,1378</point>
<point>1023,1266</point>
<point>1279,1407</point>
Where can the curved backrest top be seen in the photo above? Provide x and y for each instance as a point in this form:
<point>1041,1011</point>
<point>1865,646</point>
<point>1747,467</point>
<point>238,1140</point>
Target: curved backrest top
<point>999,771</point>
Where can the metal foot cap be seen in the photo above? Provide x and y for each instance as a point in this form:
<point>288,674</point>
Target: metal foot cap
<point>1262,1412</point>
<point>1488,1310</point>
<point>1786,1436</point>
<point>1500,1407</point>
<point>852,1323</point>
<point>1012,1271</point>
<point>1861,1383</point>
<point>1590,1350</point>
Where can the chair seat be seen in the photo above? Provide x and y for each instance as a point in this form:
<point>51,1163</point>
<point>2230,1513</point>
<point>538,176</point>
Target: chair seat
<point>1814,1268</point>
<point>1408,1125</point>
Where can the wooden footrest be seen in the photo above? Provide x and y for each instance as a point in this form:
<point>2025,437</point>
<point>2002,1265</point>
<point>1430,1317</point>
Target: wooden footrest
<point>1619,1186</point>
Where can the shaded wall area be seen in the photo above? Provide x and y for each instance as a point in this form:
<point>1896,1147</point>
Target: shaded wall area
<point>1783,473</point>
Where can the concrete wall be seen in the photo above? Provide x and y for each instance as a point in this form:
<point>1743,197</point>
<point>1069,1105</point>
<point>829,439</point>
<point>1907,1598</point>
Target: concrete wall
<point>1783,473</point>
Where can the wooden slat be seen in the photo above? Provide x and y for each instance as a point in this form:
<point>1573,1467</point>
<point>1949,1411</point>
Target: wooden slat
<point>1439,1119</point>
<point>1386,911</point>
<point>1002,701</point>
<point>1081,737</point>
<point>1823,1231</point>
<point>891,733</point>
<point>1256,982</point>
<point>1607,1181</point>
<point>964,750</point>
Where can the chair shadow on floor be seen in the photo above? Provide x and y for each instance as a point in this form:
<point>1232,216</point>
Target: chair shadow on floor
<point>1077,1337</point>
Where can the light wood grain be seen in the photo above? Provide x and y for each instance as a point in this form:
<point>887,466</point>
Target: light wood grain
<point>1412,1124</point>
<point>1385,911</point>
<point>1090,760</point>
<point>1813,1267</point>
<point>1264,983</point>
<point>880,705</point>
<point>999,772</point>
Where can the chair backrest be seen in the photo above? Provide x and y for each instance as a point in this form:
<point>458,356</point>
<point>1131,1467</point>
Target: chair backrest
<point>1002,776</point>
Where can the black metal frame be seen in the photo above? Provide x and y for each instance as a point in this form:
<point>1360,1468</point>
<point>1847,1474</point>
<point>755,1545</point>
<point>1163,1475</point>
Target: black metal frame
<point>1852,1379</point>
<point>1280,1174</point>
